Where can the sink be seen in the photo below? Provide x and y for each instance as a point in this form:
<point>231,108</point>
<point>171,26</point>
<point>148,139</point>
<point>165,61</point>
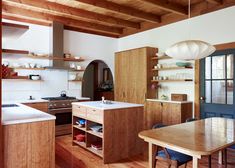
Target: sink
<point>9,105</point>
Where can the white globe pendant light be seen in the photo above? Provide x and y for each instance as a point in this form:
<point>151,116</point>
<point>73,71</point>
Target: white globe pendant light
<point>190,49</point>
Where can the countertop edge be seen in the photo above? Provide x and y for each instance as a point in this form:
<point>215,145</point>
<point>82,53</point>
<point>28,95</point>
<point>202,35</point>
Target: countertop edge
<point>131,105</point>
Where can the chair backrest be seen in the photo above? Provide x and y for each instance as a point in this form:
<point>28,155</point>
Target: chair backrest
<point>191,119</point>
<point>155,126</point>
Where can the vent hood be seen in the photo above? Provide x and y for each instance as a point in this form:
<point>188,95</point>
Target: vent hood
<point>57,46</point>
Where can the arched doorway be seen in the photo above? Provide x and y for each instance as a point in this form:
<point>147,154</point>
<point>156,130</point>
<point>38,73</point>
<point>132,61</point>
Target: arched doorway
<point>98,81</point>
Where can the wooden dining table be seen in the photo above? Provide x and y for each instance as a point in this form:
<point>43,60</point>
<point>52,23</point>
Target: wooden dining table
<point>197,138</point>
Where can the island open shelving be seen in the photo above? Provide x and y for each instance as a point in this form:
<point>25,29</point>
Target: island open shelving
<point>109,117</point>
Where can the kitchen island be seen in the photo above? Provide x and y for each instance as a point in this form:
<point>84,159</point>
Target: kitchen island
<point>119,125</point>
<point>29,137</point>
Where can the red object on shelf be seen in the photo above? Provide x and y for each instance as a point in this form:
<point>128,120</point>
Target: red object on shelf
<point>80,137</point>
<point>6,71</point>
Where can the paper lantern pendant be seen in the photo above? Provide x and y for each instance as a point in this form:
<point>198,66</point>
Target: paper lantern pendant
<point>190,50</point>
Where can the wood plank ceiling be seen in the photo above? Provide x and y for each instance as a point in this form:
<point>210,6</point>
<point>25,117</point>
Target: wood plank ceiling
<point>112,18</point>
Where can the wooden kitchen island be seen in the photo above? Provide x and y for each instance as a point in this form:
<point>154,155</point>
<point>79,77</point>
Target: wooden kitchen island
<point>121,123</point>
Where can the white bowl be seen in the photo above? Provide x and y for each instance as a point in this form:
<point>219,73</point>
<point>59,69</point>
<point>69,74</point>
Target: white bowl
<point>32,65</point>
<point>72,77</point>
<point>35,77</point>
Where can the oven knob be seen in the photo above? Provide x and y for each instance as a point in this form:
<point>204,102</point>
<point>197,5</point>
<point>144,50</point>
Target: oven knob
<point>68,104</point>
<point>63,104</point>
<point>51,105</point>
<point>54,104</point>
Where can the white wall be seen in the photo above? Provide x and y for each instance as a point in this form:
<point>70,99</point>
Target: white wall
<point>36,39</point>
<point>216,28</point>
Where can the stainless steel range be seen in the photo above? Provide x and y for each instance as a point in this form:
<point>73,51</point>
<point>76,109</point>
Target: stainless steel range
<point>61,107</point>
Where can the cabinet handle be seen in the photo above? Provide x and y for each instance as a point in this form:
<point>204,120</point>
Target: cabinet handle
<point>161,104</point>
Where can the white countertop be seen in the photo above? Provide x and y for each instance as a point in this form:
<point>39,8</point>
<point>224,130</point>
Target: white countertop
<point>24,101</point>
<point>36,100</point>
<point>114,105</point>
<point>23,114</point>
<point>169,101</point>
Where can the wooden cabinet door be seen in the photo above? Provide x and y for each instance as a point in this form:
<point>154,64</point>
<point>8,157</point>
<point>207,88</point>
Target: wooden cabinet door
<point>153,114</point>
<point>166,113</point>
<point>176,113</point>
<point>121,76</point>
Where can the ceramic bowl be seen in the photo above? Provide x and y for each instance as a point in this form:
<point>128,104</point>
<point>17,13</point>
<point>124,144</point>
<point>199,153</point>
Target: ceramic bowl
<point>35,77</point>
<point>72,77</point>
<point>183,64</point>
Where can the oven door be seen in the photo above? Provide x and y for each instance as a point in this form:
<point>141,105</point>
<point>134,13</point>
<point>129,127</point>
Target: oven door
<point>63,116</point>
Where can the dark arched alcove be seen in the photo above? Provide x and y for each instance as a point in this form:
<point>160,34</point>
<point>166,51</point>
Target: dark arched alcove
<point>98,81</point>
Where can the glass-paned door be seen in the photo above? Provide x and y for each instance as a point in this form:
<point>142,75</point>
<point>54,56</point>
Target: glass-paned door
<point>217,85</point>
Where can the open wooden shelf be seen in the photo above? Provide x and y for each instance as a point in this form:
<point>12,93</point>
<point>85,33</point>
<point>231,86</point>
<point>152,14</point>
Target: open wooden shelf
<point>161,58</point>
<point>12,30</point>
<point>23,80</point>
<point>97,152</point>
<point>80,128</point>
<point>73,59</point>
<point>100,135</point>
<point>76,70</point>
<point>82,144</point>
<point>11,51</point>
<point>171,80</point>
<point>17,77</point>
<point>172,68</point>
<point>75,80</point>
<point>21,68</point>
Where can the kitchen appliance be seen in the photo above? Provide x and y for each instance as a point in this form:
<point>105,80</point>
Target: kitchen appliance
<point>61,107</point>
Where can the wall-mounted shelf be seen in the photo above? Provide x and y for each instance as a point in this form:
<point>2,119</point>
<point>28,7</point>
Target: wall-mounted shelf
<point>161,58</point>
<point>12,30</point>
<point>73,60</point>
<point>76,70</point>
<point>75,80</point>
<point>11,51</point>
<point>23,80</point>
<point>172,68</point>
<point>21,68</point>
<point>172,80</point>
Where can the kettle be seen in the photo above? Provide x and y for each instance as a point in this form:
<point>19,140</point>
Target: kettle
<point>63,93</point>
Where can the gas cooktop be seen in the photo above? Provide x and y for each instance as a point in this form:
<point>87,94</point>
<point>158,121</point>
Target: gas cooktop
<point>59,98</point>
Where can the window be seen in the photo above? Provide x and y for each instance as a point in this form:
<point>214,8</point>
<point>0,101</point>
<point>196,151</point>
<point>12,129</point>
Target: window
<point>219,79</point>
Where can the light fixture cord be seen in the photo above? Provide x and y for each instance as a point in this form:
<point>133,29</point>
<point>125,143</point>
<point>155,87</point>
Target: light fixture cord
<point>189,17</point>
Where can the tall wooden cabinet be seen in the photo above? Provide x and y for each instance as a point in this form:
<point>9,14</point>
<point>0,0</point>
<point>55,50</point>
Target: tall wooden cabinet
<point>133,75</point>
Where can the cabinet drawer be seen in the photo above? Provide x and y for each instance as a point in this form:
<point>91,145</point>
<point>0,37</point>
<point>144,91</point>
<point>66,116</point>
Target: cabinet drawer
<point>79,111</point>
<point>95,115</point>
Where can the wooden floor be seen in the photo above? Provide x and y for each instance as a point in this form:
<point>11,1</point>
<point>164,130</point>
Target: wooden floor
<point>68,156</point>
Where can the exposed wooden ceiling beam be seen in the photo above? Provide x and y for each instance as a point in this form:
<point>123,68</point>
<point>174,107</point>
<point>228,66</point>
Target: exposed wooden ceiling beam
<point>9,8</point>
<point>196,10</point>
<point>89,31</point>
<point>43,23</point>
<point>168,6</point>
<point>123,10</point>
<point>25,20</point>
<point>78,12</point>
<point>217,2</point>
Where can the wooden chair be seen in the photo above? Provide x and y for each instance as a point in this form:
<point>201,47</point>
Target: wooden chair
<point>171,157</point>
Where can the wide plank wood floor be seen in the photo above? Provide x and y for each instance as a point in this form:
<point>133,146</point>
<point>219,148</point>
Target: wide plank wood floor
<point>68,156</point>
